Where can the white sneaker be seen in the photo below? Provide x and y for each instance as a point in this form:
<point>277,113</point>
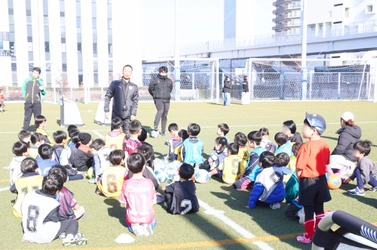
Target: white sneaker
<point>147,230</point>
<point>301,215</point>
<point>276,205</point>
<point>137,229</point>
<point>154,134</point>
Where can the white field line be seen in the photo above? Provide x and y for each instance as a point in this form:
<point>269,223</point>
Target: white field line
<point>212,127</point>
<point>4,189</point>
<point>239,229</point>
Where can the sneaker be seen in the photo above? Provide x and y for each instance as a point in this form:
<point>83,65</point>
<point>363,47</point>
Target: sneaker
<point>356,191</point>
<point>62,236</point>
<point>92,181</point>
<point>163,133</point>
<point>68,241</point>
<point>373,189</point>
<point>154,134</point>
<point>302,239</point>
<point>275,205</point>
<point>80,240</point>
<point>137,229</point>
<point>147,230</point>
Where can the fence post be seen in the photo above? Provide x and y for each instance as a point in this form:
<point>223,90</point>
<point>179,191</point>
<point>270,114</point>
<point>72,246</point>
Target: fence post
<point>338,85</point>
<point>374,82</point>
<point>251,86</point>
<point>54,89</point>
<point>281,81</point>
<point>70,93</point>
<point>217,80</point>
<point>310,84</point>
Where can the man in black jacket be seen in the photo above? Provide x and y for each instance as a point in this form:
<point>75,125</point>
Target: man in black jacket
<point>226,91</point>
<point>160,88</point>
<point>125,96</point>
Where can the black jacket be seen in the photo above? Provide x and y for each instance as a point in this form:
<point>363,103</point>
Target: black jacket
<point>245,86</point>
<point>160,88</point>
<point>227,87</point>
<point>347,137</point>
<point>296,138</point>
<point>117,89</point>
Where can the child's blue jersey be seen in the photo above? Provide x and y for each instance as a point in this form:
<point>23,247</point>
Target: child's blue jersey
<point>286,148</point>
<point>253,163</point>
<point>192,151</point>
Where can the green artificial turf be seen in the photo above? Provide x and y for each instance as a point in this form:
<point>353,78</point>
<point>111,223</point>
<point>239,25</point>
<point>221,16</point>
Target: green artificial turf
<point>106,220</point>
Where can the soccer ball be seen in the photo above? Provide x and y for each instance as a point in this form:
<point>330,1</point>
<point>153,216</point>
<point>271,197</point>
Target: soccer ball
<point>154,134</point>
<point>161,175</point>
<point>202,176</point>
<point>334,181</point>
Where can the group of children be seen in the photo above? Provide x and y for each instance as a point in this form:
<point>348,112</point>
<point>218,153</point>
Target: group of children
<point>122,167</point>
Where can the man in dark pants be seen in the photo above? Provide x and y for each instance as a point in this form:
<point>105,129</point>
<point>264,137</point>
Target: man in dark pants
<point>160,88</point>
<point>32,89</point>
<point>126,99</point>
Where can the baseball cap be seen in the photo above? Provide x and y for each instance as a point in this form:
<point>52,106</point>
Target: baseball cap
<point>347,116</point>
<point>317,122</point>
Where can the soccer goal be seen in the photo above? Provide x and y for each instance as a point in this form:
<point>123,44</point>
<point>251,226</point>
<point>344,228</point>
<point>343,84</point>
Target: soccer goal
<point>326,79</point>
<point>198,81</point>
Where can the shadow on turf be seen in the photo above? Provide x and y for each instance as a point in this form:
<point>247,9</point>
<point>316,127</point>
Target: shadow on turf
<point>116,211</point>
<point>274,222</point>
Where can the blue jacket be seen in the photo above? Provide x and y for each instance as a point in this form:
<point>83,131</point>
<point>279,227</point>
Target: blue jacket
<point>44,166</point>
<point>268,188</point>
<point>286,148</point>
<point>252,168</point>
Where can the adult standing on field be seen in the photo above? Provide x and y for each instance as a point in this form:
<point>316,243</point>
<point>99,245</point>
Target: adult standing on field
<point>245,96</point>
<point>32,89</point>
<point>160,88</point>
<point>125,96</point>
<point>226,91</point>
<point>342,160</point>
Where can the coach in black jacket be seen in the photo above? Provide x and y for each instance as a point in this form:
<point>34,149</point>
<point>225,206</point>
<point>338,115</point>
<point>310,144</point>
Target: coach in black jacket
<point>160,88</point>
<point>126,99</point>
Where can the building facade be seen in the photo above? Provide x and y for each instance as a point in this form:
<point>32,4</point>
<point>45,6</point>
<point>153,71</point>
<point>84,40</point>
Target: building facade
<point>71,40</point>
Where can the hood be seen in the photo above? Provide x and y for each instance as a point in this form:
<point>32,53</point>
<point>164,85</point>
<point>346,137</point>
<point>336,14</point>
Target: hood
<point>114,133</point>
<point>162,77</point>
<point>354,131</point>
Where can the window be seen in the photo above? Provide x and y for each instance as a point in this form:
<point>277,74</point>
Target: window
<point>347,12</point>
<point>329,13</point>
<point>94,48</point>
<point>78,22</point>
<point>339,4</point>
<point>94,23</point>
<point>79,47</point>
<point>47,47</point>
<point>369,9</point>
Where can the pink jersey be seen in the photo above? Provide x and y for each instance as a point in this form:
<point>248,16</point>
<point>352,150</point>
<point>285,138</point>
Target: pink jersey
<point>139,196</point>
<point>130,146</point>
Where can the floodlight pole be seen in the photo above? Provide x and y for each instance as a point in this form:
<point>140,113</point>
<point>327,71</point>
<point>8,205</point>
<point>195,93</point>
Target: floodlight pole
<point>304,36</point>
<point>177,66</point>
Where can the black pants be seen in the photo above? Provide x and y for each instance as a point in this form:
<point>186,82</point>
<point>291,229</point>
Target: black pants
<point>70,226</point>
<point>162,114</point>
<point>31,108</point>
<point>125,123</point>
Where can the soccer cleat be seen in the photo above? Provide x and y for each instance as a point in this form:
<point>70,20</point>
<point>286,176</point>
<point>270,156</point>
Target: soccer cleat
<point>62,236</point>
<point>154,133</point>
<point>302,239</point>
<point>373,189</point>
<point>147,230</point>
<point>163,133</point>
<point>137,229</point>
<point>92,181</point>
<point>276,205</point>
<point>356,191</point>
<point>80,240</point>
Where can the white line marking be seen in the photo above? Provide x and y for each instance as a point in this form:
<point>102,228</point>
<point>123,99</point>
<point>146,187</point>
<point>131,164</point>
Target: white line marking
<point>3,189</point>
<point>242,231</point>
<point>98,133</point>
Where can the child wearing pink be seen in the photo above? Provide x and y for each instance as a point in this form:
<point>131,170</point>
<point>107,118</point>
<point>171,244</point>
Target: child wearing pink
<point>138,195</point>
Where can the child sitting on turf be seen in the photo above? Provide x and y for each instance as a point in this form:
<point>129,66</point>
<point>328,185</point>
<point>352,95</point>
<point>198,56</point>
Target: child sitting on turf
<point>44,159</point>
<point>247,179</point>
<point>281,162</point>
<point>240,139</point>
<point>230,169</point>
<point>131,144</point>
<point>192,147</point>
<point>69,208</point>
<point>138,194</point>
<point>40,125</point>
<point>312,159</point>
<point>146,151</point>
<point>69,129</point>
<point>268,189</point>
<point>84,157</point>
<point>284,145</point>
<point>289,129</point>
<point>223,130</point>
<point>29,181</point>
<point>142,138</point>
<point>180,195</point>
<point>73,144</point>
<point>365,171</point>
<point>111,181</point>
<point>173,129</point>
<point>114,139</point>
<point>216,159</point>
<point>24,136</point>
<point>36,140</point>
<point>62,153</point>
<point>266,143</point>
<point>41,222</point>
<point>2,100</point>
<point>182,136</point>
<point>20,152</point>
<point>100,158</point>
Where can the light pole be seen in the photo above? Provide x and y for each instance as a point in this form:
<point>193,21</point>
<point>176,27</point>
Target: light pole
<point>304,34</point>
<point>177,66</point>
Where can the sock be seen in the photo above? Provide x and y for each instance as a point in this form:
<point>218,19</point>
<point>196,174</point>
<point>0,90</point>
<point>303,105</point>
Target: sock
<point>318,218</point>
<point>309,228</point>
